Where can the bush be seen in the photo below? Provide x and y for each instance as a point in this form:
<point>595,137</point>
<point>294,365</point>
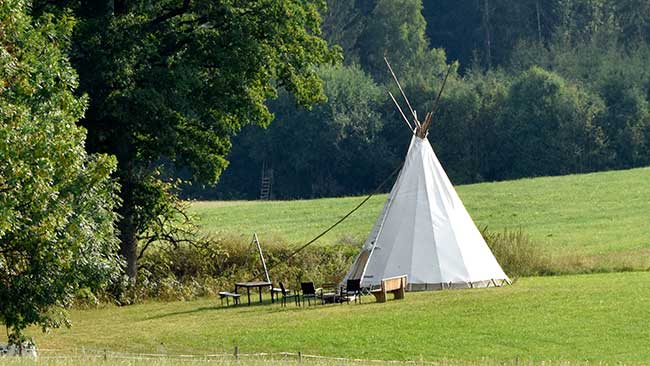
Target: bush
<point>185,272</point>
<point>518,255</point>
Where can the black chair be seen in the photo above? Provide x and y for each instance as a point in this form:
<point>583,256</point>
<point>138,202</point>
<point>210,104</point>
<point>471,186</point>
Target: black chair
<point>352,289</point>
<point>309,291</point>
<point>286,294</point>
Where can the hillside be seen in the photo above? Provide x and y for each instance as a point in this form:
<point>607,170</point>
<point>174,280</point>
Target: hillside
<point>598,214</point>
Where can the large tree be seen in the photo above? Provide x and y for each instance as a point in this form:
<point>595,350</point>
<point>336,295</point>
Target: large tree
<point>171,81</point>
<point>548,127</point>
<point>56,201</point>
<point>396,29</point>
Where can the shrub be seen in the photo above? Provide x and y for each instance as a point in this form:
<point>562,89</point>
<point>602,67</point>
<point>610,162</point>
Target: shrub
<point>185,272</point>
<point>517,254</point>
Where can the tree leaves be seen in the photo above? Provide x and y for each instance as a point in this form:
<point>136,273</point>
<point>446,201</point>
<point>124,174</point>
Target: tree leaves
<point>56,207</point>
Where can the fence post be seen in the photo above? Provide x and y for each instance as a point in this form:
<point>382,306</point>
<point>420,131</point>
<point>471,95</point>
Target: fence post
<point>236,354</point>
<point>299,358</point>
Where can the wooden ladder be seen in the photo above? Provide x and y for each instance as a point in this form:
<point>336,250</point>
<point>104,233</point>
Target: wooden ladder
<point>267,184</point>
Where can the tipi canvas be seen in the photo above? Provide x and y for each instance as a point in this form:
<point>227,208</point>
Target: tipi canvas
<point>425,232</point>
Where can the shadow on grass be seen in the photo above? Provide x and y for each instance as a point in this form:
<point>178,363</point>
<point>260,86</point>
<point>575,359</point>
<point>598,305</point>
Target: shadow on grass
<point>242,306</point>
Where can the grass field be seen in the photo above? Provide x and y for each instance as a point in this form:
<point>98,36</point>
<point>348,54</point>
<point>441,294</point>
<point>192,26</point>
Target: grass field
<point>600,317</point>
<point>283,360</point>
<point>599,214</point>
<point>571,320</point>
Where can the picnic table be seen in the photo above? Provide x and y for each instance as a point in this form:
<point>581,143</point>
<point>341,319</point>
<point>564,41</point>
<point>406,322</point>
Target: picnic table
<point>249,285</point>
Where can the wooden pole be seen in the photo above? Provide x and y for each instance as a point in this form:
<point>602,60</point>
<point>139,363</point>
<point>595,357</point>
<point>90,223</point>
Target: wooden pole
<point>400,111</point>
<point>259,250</point>
<point>427,121</point>
<point>417,123</point>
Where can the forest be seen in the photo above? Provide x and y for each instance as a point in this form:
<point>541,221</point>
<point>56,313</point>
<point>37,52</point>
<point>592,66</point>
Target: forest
<point>537,88</point>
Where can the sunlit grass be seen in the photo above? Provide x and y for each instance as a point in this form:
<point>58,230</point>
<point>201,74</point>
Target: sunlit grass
<point>594,215</point>
<point>601,317</point>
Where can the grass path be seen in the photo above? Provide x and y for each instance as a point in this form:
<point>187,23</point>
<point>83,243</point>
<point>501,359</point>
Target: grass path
<point>591,214</point>
<point>601,317</point>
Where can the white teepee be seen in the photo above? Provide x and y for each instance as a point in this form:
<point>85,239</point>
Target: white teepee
<point>425,232</point>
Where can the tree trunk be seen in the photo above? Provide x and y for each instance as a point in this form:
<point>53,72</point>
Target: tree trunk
<point>128,229</point>
<point>486,28</point>
<point>129,246</point>
<point>539,22</point>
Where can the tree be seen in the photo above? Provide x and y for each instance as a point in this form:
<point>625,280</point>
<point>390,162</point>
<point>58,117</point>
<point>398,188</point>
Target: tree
<point>343,24</point>
<point>625,122</point>
<point>549,127</point>
<point>465,129</point>
<point>56,201</point>
<point>396,29</point>
<point>174,80</point>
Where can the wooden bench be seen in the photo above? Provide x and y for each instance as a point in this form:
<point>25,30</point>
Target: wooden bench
<point>395,285</point>
<point>227,296</point>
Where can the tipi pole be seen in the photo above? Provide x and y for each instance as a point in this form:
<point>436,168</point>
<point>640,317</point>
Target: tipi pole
<point>402,91</point>
<point>427,121</point>
<point>259,250</point>
<point>400,111</point>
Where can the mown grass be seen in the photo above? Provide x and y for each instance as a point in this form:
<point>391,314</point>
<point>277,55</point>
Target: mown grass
<point>595,318</point>
<point>577,219</point>
<point>280,360</point>
<point>263,361</point>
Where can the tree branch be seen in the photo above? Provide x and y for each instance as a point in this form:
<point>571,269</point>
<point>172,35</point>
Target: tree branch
<point>170,14</point>
<point>151,240</point>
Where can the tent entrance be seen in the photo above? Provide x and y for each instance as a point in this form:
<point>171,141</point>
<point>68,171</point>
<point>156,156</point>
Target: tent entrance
<point>356,272</point>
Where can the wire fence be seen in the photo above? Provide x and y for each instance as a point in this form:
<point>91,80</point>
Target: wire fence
<point>94,357</point>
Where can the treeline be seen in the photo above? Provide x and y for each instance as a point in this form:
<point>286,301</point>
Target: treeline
<point>537,88</point>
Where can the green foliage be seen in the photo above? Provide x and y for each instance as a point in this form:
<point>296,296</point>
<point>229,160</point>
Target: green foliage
<point>171,82</point>
<point>168,88</point>
<point>620,78</point>
<point>343,24</point>
<point>566,92</point>
<point>396,29</point>
<point>548,126</point>
<point>56,201</point>
<point>331,149</point>
<point>189,270</point>
<point>466,133</point>
<point>345,130</point>
<point>626,121</point>
<point>517,254</point>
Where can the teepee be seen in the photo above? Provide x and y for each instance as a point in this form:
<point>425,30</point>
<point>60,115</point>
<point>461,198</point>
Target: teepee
<point>424,230</point>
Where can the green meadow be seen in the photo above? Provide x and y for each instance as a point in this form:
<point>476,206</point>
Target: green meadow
<point>596,215</point>
<point>599,318</point>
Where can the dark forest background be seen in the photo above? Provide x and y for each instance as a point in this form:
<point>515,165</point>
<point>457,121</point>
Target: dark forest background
<point>538,88</point>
